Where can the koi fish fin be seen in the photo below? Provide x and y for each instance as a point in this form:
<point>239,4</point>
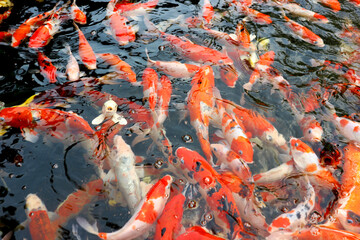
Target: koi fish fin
<point>74,229</point>
<point>87,226</point>
<point>99,119</point>
<point>151,26</point>
<point>30,135</point>
<point>8,235</point>
<point>139,138</point>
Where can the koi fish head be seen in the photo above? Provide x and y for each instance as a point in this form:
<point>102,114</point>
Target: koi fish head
<point>304,157</point>
<point>204,78</point>
<point>229,75</point>
<point>313,131</point>
<point>272,136</point>
<point>34,203</point>
<point>349,220</point>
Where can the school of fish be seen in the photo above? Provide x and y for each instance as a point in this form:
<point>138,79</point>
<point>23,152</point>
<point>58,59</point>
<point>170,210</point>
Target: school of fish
<point>238,173</point>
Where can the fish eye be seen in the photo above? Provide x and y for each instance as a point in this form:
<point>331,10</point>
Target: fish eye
<point>296,144</point>
<point>109,109</point>
<point>2,119</point>
<point>269,138</point>
<point>221,61</point>
<point>349,220</point>
<point>31,214</point>
<point>240,152</point>
<point>309,131</point>
<point>182,161</point>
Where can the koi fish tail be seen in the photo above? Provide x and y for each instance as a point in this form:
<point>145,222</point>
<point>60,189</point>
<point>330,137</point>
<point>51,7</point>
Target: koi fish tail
<point>151,26</point>
<point>87,226</point>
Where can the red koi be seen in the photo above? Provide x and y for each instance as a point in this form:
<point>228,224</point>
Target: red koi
<point>47,69</point>
<point>122,67</point>
<point>169,223</point>
<point>304,33</point>
<point>5,15</point>
<point>76,14</point>
<point>149,210</point>
<point>86,52</point>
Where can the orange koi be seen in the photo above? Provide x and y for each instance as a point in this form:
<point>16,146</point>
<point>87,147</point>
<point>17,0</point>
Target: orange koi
<point>149,210</point>
<point>218,197</point>
<point>122,67</point>
<point>333,4</point>
<point>59,124</point>
<point>169,223</point>
<point>86,52</point>
<point>127,8</point>
<point>304,33</point>
<point>5,36</point>
<point>207,11</point>
<point>150,84</point>
<point>47,69</point>
<point>322,232</point>
<point>197,233</point>
<point>254,15</point>
<point>200,104</point>
<point>76,14</point>
<point>5,15</point>
<point>243,35</point>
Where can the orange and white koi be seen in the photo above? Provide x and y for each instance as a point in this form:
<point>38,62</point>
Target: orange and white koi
<point>257,125</point>
<point>238,141</point>
<point>144,217</point>
<point>109,111</point>
<point>200,104</point>
<point>348,73</point>
<point>76,14</point>
<point>253,14</point>
<point>322,232</point>
<point>304,33</point>
<point>207,11</point>
<point>127,8</point>
<point>72,66</point>
<point>42,36</point>
<point>346,127</point>
<point>198,233</point>
<point>122,162</point>
<point>275,174</point>
<point>306,161</point>
<point>118,27</point>
<point>122,67</point>
<point>164,90</point>
<point>217,195</point>
<point>40,226</point>
<point>25,28</point>
<point>169,223</point>
<point>299,11</point>
<point>86,52</point>
<point>47,69</point>
<point>173,68</point>
<point>297,217</point>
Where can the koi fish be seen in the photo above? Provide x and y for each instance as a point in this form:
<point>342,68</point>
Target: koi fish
<point>86,52</point>
<point>135,9</point>
<point>304,33</point>
<point>122,67</point>
<point>333,4</point>
<point>207,11</point>
<point>200,104</point>
<point>254,15</point>
<point>118,27</point>
<point>5,36</point>
<point>218,197</point>
<point>122,162</point>
<point>348,73</point>
<point>164,90</point>
<point>299,11</point>
<point>198,233</point>
<point>150,83</point>
<point>295,218</point>
<point>257,125</point>
<point>307,162</point>
<point>47,69</point>
<point>5,15</point>
<point>169,223</point>
<point>42,36</point>
<point>173,68</point>
<point>347,128</point>
<point>40,226</point>
<point>144,217</point>
<point>72,67</point>
<point>76,14</point>
<point>25,28</point>
<point>59,124</point>
<point>322,232</point>
<point>275,174</point>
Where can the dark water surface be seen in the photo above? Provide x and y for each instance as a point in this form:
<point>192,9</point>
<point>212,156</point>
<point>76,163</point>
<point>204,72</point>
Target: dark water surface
<point>52,171</point>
